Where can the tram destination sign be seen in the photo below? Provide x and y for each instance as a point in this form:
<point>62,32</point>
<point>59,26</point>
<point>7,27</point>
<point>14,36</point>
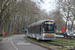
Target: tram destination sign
<point>48,22</point>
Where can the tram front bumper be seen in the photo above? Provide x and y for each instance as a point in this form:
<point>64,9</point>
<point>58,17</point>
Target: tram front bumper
<point>48,38</point>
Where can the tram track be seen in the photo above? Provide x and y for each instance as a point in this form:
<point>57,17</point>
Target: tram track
<point>59,45</point>
<point>63,44</point>
<point>54,44</point>
<point>66,38</point>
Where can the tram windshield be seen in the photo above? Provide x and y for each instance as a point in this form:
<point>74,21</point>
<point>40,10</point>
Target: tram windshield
<point>48,28</point>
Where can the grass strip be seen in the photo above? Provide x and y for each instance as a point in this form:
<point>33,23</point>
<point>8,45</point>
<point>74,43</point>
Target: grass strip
<point>46,44</point>
<point>1,38</point>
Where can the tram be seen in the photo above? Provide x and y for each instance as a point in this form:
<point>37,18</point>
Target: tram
<point>42,30</point>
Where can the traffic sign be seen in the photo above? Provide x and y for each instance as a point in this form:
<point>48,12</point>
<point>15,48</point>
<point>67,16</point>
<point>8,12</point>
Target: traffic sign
<point>63,29</point>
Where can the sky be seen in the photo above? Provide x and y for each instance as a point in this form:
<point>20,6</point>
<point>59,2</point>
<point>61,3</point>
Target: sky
<point>47,5</point>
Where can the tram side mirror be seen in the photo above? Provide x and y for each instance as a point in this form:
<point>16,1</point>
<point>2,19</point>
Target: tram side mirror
<point>55,27</point>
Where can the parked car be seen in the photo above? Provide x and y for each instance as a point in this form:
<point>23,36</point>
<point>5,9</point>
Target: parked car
<point>69,34</point>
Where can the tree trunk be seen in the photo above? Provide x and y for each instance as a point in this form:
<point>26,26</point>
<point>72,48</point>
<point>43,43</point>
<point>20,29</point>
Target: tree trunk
<point>66,25</point>
<point>4,26</point>
<point>72,25</point>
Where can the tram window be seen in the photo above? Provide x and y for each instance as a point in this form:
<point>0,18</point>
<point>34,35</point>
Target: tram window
<point>40,29</point>
<point>37,29</point>
<point>48,28</point>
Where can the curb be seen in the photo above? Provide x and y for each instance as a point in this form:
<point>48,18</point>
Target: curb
<point>44,46</point>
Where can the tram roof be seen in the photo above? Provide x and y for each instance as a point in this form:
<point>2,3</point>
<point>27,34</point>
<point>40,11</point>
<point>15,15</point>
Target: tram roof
<point>39,22</point>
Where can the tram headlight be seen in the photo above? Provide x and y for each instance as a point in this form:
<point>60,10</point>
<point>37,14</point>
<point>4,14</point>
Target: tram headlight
<point>74,34</point>
<point>68,34</point>
<point>43,34</point>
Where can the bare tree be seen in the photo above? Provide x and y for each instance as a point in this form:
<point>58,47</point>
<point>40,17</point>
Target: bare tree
<point>66,6</point>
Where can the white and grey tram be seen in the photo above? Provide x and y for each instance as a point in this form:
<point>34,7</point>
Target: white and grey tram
<point>42,30</point>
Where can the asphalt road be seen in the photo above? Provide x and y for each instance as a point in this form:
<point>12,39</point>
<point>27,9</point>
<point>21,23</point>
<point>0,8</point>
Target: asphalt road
<point>17,42</point>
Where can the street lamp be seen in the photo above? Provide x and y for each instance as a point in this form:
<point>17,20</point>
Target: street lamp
<point>36,16</point>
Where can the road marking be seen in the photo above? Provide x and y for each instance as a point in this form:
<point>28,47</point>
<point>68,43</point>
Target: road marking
<point>23,43</point>
<point>14,45</point>
<point>7,39</point>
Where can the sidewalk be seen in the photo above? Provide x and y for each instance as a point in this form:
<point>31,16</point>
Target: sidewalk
<point>59,36</point>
